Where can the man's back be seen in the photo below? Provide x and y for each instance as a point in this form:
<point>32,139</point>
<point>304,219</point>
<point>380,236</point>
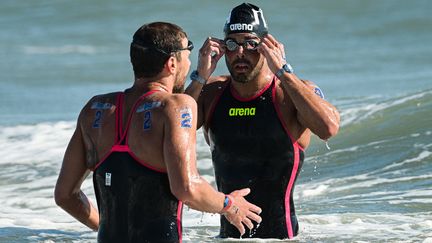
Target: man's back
<point>130,179</point>
<point>143,118</point>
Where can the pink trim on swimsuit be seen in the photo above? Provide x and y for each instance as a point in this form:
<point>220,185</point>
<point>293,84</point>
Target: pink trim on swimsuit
<point>120,135</point>
<point>236,95</point>
<point>294,171</point>
<point>179,220</point>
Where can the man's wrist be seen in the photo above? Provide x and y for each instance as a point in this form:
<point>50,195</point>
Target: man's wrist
<point>286,68</point>
<point>195,76</point>
<point>228,203</point>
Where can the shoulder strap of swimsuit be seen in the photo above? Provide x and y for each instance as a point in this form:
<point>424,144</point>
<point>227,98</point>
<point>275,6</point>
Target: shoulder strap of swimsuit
<point>124,134</point>
<point>214,103</point>
<point>118,117</point>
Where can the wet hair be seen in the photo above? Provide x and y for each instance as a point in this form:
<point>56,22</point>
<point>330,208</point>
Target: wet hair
<point>246,18</point>
<point>152,45</point>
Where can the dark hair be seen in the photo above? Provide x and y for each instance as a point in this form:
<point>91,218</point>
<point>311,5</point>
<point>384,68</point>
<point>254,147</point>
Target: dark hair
<point>152,45</point>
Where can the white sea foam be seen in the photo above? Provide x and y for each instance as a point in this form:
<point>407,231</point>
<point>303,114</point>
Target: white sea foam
<point>32,156</point>
<point>422,156</point>
<point>205,164</point>
<point>320,189</point>
<point>367,181</point>
<point>365,111</point>
<point>28,152</point>
<point>367,227</point>
<point>371,182</point>
<point>34,143</point>
<point>194,218</point>
<point>355,148</point>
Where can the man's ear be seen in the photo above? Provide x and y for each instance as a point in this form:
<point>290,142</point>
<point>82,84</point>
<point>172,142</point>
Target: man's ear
<point>171,64</point>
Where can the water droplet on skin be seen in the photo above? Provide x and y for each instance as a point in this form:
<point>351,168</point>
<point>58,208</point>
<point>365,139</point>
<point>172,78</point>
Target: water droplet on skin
<point>202,216</point>
<point>315,166</point>
<point>327,145</point>
<point>252,232</point>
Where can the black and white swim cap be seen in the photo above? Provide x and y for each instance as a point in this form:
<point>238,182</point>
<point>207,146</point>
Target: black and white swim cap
<point>246,18</point>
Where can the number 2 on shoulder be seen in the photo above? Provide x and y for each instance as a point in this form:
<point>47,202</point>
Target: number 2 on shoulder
<point>97,120</point>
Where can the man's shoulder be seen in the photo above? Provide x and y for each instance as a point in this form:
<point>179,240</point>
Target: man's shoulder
<point>179,98</point>
<point>215,85</point>
<point>109,97</point>
<point>218,79</point>
<point>309,84</point>
<point>178,108</point>
<point>174,101</point>
<point>314,87</point>
<point>101,102</point>
<point>305,81</point>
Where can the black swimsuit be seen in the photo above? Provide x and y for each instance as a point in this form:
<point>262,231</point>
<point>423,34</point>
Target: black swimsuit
<point>251,147</point>
<point>134,200</point>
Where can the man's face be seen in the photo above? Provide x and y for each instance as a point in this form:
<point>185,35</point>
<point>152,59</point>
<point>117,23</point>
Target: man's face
<point>244,63</point>
<point>183,68</point>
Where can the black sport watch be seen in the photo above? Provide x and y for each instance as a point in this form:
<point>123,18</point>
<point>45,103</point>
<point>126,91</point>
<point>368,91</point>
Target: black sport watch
<point>195,76</point>
<point>285,68</point>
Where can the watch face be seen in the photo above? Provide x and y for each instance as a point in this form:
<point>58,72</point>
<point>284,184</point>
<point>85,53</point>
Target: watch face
<point>287,67</point>
<point>195,76</point>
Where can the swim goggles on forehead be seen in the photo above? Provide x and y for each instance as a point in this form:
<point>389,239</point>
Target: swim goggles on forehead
<point>189,47</point>
<point>250,45</point>
<point>140,43</point>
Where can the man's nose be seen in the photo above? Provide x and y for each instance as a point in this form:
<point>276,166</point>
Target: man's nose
<point>240,51</point>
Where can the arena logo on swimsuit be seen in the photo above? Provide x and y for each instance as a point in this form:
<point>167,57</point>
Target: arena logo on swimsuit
<point>242,111</point>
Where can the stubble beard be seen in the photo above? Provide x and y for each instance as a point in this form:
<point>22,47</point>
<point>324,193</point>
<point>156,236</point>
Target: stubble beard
<point>179,83</point>
<point>245,77</point>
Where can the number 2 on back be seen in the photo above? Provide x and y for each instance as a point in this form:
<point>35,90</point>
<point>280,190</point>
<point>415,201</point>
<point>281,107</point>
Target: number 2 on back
<point>97,120</point>
<point>147,120</point>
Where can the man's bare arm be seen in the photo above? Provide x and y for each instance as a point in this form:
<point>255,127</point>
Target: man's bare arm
<point>313,112</point>
<point>208,57</point>
<point>68,194</point>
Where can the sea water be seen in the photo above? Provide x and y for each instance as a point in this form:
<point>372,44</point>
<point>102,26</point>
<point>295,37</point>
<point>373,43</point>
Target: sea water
<point>372,59</point>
